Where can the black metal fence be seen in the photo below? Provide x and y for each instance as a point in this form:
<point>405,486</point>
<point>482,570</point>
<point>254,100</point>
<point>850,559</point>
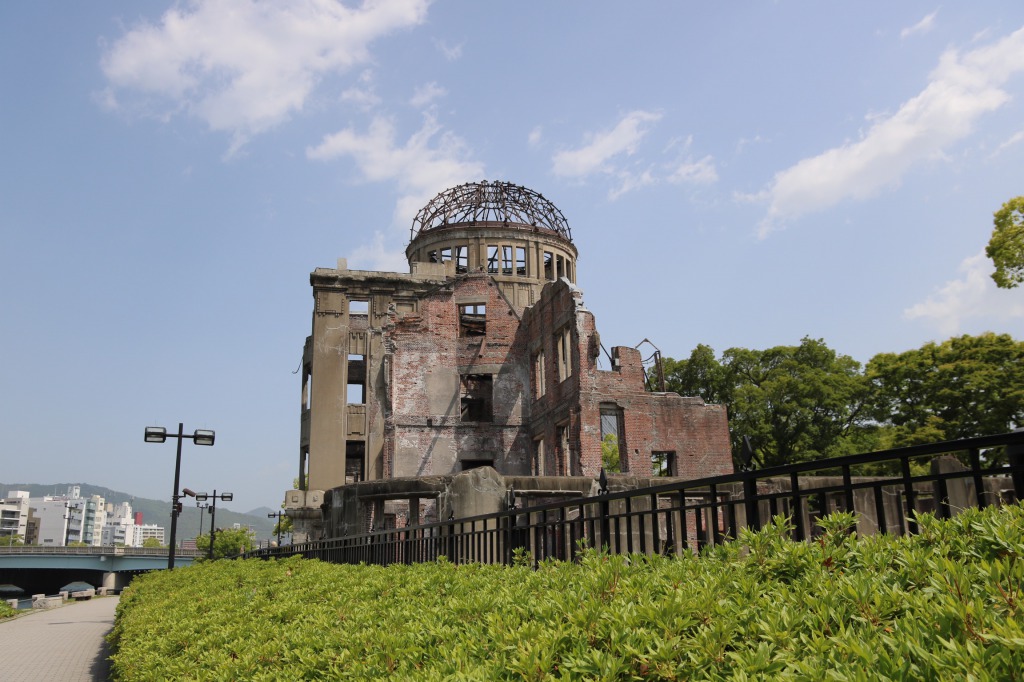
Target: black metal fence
<point>887,490</point>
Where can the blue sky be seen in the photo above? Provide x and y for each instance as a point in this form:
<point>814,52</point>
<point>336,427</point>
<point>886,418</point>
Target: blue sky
<point>735,174</point>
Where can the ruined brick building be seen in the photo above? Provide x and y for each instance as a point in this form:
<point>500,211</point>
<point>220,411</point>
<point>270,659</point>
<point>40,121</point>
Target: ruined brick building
<point>483,355</point>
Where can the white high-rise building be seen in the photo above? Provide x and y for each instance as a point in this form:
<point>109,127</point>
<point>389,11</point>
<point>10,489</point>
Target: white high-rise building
<point>14,515</point>
<point>51,518</point>
<point>87,519</point>
<point>120,526</point>
<point>148,530</point>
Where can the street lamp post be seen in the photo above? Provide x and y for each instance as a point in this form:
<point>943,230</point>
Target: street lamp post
<point>202,509</point>
<point>224,497</point>
<point>278,516</point>
<point>158,434</point>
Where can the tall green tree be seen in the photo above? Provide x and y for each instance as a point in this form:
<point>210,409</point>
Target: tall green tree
<point>965,386</point>
<point>796,403</point>
<point>1006,246</point>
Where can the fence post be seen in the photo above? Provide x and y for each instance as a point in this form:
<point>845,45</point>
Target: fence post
<point>1015,457</point>
<point>752,508</point>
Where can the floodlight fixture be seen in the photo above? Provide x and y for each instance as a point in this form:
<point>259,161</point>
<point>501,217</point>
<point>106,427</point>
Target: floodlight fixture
<point>202,497</point>
<point>156,434</point>
<point>203,437</point>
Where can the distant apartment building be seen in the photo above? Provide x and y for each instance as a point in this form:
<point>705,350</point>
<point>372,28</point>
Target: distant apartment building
<point>14,515</point>
<point>146,531</point>
<point>50,521</point>
<point>120,526</point>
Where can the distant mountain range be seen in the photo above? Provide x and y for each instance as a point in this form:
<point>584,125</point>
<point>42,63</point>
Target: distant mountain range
<point>159,511</point>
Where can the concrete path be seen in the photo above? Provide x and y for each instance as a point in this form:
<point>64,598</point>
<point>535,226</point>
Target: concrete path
<point>63,644</point>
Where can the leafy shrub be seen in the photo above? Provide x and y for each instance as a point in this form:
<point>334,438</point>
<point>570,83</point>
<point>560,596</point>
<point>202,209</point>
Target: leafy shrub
<point>6,611</point>
<point>943,604</point>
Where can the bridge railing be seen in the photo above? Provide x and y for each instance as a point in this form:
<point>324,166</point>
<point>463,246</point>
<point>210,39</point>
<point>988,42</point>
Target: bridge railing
<point>97,551</point>
<point>887,490</point>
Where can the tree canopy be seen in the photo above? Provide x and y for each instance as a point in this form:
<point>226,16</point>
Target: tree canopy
<point>806,402</point>
<point>228,542</point>
<point>1006,246</point>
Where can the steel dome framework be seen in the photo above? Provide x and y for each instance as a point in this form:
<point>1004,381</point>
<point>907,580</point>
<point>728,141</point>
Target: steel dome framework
<point>503,203</point>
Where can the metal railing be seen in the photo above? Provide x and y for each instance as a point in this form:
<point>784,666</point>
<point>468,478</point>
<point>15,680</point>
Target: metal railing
<point>44,550</point>
<point>886,489</point>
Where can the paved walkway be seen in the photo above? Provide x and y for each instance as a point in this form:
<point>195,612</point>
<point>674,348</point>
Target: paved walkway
<point>63,644</point>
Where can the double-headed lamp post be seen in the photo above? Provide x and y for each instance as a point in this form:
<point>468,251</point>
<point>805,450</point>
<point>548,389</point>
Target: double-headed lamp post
<point>223,497</point>
<point>158,434</point>
<point>278,516</point>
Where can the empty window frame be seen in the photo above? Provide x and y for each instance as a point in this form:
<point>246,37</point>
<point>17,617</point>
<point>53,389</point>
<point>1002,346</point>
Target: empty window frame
<point>506,260</point>
<point>563,346</point>
<point>358,307</point>
<point>477,397</point>
<point>461,259</point>
<point>472,319</point>
<point>355,457</point>
<point>611,439</point>
<point>563,450</point>
<point>492,260</point>
<point>432,257</point>
<point>537,463</point>
<point>559,267</point>
<point>539,383</point>
<point>356,389</point>
<point>663,464</point>
<point>549,260</point>
<point>446,255</point>
<point>521,261</point>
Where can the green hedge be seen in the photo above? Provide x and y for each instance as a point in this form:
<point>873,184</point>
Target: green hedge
<point>6,611</point>
<point>944,604</point>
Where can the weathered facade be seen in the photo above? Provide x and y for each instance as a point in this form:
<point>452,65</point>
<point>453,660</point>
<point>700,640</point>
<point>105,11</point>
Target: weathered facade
<point>483,355</point>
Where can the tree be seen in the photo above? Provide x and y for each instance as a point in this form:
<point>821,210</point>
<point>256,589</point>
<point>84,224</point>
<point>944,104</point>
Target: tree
<point>610,453</point>
<point>10,540</point>
<point>1006,245</point>
<point>229,542</point>
<point>152,542</point>
<point>796,403</point>
<point>963,387</point>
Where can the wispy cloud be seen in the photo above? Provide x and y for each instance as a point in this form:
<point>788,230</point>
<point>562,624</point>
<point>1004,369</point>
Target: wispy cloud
<point>431,160</point>
<point>923,26</point>
<point>1016,138</point>
<point>972,296</point>
<point>243,66</point>
<point>425,94</point>
<point>451,52</point>
<point>602,147</point>
<point>378,255</point>
<point>962,88</point>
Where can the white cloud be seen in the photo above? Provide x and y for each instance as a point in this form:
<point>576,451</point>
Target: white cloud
<point>245,66</point>
<point>973,296</point>
<point>961,89</point>
<point>535,136</point>
<point>377,256</point>
<point>1016,138</point>
<point>425,94</point>
<point>451,53</point>
<point>701,172</point>
<point>630,181</point>
<point>430,161</point>
<point>923,26</point>
<point>601,147</point>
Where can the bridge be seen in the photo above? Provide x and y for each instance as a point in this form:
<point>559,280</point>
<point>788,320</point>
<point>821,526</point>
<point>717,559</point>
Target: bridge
<point>45,569</point>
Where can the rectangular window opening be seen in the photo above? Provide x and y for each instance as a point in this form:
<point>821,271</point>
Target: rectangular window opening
<point>355,456</point>
<point>446,255</point>
<point>538,375</point>
<point>537,466</point>
<point>521,261</point>
<point>559,267</point>
<point>468,464</point>
<point>563,450</point>
<point>472,319</point>
<point>492,260</point>
<point>356,388</point>
<point>563,344</point>
<point>549,272</point>
<point>506,260</point>
<point>663,464</point>
<point>611,439</point>
<point>461,259</point>
<point>477,397</point>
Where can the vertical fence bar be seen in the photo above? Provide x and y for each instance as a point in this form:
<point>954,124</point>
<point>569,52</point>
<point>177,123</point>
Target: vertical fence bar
<point>908,494</point>
<point>798,515</point>
<point>979,482</point>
